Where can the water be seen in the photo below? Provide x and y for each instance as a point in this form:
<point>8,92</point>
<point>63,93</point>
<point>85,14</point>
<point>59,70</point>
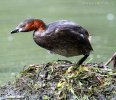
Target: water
<point>98,17</point>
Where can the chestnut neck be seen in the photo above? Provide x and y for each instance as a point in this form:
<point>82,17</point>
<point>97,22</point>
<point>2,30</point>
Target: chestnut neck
<point>39,25</point>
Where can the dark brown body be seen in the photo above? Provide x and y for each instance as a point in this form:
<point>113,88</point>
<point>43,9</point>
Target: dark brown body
<point>64,39</point>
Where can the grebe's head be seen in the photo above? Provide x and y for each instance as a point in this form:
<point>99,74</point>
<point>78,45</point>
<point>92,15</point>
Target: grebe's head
<point>29,25</point>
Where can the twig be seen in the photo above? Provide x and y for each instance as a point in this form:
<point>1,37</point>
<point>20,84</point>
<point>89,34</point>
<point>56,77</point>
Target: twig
<point>112,59</point>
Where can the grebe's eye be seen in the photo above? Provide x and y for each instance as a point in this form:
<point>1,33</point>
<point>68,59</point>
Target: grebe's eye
<point>22,25</point>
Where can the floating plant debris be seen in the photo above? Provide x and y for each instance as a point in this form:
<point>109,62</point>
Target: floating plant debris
<point>58,80</point>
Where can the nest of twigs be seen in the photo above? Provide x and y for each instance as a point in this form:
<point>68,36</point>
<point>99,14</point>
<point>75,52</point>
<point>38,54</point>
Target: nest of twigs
<point>59,80</point>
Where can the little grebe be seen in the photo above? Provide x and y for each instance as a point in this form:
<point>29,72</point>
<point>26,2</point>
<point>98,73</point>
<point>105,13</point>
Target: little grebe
<point>61,37</point>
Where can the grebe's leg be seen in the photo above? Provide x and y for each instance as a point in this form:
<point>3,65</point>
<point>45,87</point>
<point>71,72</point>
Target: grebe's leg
<point>82,60</point>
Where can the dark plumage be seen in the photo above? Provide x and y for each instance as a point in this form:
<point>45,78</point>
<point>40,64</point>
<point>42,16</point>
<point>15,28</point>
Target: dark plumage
<point>62,37</point>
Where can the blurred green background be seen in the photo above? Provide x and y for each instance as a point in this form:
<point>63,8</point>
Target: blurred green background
<point>97,16</point>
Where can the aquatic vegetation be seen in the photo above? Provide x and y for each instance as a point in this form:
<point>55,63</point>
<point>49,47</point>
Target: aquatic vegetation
<point>59,80</point>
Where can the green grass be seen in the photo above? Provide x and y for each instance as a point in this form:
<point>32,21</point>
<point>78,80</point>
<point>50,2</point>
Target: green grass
<point>19,49</point>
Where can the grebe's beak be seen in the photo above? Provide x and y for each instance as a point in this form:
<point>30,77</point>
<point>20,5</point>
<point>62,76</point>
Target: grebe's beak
<point>15,31</point>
